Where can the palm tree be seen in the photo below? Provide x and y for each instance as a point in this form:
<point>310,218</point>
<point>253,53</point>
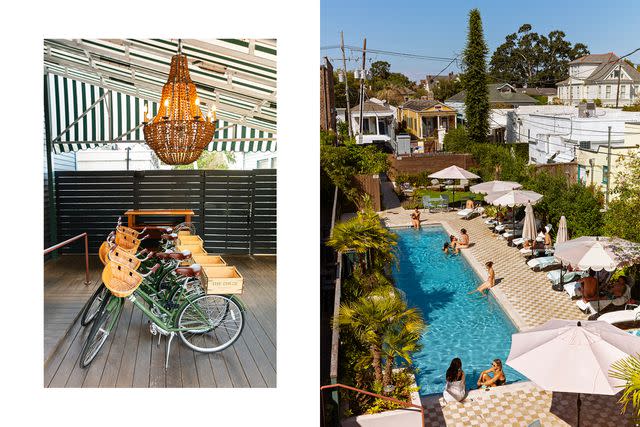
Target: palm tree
<point>400,341</point>
<point>362,234</point>
<point>628,370</point>
<point>372,317</point>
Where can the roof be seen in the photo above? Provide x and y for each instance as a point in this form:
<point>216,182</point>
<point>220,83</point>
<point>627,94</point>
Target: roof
<point>498,97</point>
<point>545,91</point>
<point>603,70</point>
<point>420,104</point>
<point>373,107</point>
<point>596,58</point>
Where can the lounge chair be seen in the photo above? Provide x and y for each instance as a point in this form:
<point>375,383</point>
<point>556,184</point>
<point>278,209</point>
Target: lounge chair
<point>630,313</point>
<point>573,289</point>
<point>542,263</point>
<point>470,213</point>
<point>568,276</point>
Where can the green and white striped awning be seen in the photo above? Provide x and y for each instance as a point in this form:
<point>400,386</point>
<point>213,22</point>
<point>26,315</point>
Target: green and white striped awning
<point>237,76</point>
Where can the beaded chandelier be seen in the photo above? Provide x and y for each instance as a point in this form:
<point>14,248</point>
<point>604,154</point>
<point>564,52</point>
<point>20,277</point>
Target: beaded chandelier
<point>179,132</point>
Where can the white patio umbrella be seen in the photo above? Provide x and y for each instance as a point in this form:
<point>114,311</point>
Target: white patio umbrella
<point>454,172</point>
<point>562,235</point>
<point>572,356</point>
<point>494,187</point>
<point>597,253</point>
<point>513,198</point>
<point>529,231</point>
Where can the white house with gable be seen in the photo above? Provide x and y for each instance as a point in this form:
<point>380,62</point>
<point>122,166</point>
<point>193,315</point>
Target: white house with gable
<point>596,77</point>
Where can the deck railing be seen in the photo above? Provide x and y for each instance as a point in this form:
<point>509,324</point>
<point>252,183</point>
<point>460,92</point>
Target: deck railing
<point>86,252</point>
<point>368,393</point>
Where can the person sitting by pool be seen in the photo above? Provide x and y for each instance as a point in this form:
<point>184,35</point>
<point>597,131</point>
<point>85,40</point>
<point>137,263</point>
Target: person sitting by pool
<point>463,242</point>
<point>469,204</point>
<point>415,218</point>
<point>445,248</point>
<point>491,280</point>
<point>454,389</point>
<point>485,381</point>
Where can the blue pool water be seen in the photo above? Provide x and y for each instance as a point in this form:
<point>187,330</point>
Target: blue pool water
<point>471,327</point>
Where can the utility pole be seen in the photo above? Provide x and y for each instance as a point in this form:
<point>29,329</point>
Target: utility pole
<point>618,90</point>
<point>346,83</point>
<point>362,75</point>
<point>608,168</point>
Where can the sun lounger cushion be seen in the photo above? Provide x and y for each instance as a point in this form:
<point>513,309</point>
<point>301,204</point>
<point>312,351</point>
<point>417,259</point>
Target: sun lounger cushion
<point>465,212</point>
<point>621,316</point>
<point>573,289</point>
<point>591,307</point>
<point>542,262</point>
<point>518,241</point>
<point>554,276</point>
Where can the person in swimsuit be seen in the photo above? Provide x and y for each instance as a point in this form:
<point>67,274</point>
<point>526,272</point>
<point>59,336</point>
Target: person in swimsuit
<point>463,242</point>
<point>486,380</point>
<point>589,287</point>
<point>491,280</point>
<point>548,243</point>
<point>415,218</point>
<point>445,248</point>
<point>454,389</point>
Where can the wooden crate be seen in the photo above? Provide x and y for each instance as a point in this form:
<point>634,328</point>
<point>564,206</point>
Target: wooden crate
<point>221,280</point>
<point>209,260</point>
<point>194,249</point>
<point>189,240</point>
<point>184,233</point>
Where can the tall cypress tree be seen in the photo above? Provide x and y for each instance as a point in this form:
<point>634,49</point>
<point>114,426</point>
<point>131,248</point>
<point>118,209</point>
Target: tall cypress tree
<point>475,80</point>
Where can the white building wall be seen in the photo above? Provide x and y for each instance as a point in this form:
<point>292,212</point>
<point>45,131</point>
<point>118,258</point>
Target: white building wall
<point>255,160</point>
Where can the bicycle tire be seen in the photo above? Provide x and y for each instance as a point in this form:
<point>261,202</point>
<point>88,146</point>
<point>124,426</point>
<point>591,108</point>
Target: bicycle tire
<point>104,323</point>
<point>208,337</point>
<point>92,307</point>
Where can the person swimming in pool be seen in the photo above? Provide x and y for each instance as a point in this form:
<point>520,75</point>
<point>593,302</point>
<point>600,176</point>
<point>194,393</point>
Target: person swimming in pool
<point>445,248</point>
<point>491,279</point>
<point>485,381</point>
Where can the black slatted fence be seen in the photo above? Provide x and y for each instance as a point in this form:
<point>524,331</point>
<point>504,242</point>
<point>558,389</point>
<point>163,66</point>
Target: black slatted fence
<point>234,211</point>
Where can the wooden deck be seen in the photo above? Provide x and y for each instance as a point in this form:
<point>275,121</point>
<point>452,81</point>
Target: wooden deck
<point>131,356</point>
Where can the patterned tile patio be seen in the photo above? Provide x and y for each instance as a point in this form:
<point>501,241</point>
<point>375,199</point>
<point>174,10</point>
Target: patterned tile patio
<point>529,300</point>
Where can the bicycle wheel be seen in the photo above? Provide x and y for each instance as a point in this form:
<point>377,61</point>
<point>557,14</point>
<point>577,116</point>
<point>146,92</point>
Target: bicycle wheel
<point>213,323</point>
<point>103,325</point>
<point>92,306</point>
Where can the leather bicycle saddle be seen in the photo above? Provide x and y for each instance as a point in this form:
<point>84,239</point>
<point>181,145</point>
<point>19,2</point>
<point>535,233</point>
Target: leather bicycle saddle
<point>180,256</point>
<point>191,271</point>
<point>172,236</point>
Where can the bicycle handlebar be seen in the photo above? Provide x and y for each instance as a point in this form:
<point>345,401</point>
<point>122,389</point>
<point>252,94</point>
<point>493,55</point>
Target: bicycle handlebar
<point>151,270</point>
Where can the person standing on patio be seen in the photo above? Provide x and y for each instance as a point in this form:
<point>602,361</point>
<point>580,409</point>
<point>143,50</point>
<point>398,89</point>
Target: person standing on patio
<point>415,218</point>
<point>589,286</point>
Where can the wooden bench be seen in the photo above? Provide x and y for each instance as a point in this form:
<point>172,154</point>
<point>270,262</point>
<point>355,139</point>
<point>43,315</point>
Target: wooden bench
<point>156,229</point>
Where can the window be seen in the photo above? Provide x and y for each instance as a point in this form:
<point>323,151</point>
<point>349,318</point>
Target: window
<point>262,164</point>
<point>605,173</point>
<point>607,91</point>
<point>585,145</point>
<point>623,91</point>
<point>616,73</point>
<point>274,162</point>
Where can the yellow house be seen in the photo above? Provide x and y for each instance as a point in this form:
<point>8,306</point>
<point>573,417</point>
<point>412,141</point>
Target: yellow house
<point>593,161</point>
<point>427,121</point>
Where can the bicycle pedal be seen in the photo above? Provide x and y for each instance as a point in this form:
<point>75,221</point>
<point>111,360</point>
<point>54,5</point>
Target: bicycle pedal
<point>153,329</point>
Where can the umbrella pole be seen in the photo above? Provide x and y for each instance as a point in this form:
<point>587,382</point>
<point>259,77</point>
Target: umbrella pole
<point>579,405</point>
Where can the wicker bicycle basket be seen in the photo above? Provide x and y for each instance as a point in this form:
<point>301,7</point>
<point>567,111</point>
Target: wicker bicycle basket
<point>127,242</point>
<point>120,279</point>
<point>102,253</point>
<point>123,257</point>
<point>126,230</point>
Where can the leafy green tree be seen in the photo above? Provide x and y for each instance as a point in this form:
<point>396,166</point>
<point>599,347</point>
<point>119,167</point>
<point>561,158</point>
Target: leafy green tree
<point>400,340</point>
<point>211,160</point>
<point>528,58</point>
<point>623,214</point>
<point>339,90</point>
<point>380,70</point>
<point>447,88</point>
<point>475,80</point>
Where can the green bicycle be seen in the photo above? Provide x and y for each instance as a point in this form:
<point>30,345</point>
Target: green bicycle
<point>206,323</point>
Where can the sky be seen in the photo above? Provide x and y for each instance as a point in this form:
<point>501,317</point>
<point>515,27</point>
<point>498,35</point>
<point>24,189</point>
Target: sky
<point>439,29</point>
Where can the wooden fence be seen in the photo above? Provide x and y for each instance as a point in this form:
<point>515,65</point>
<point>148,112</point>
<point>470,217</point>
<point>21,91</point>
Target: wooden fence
<point>234,211</point>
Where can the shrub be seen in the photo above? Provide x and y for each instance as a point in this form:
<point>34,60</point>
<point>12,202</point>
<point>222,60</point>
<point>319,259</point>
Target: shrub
<point>598,102</point>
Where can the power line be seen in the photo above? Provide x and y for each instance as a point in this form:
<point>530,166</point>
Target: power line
<point>390,53</point>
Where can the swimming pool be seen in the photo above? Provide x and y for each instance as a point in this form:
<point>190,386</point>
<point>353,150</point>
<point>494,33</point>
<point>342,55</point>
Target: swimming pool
<point>471,327</point>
